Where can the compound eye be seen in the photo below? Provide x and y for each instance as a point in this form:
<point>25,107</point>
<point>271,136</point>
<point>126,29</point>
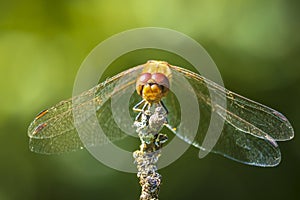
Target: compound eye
<point>141,81</point>
<point>161,79</point>
<point>143,78</point>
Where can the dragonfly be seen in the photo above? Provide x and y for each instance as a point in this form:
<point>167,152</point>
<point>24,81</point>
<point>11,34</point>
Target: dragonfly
<point>250,132</point>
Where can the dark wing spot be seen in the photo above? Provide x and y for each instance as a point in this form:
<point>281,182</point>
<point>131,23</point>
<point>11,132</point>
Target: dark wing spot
<point>41,114</point>
<point>39,128</point>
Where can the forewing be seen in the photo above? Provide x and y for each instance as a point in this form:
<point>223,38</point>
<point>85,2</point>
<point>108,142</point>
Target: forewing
<point>250,129</point>
<point>54,132</point>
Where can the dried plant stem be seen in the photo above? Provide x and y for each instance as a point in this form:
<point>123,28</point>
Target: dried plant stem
<point>147,156</point>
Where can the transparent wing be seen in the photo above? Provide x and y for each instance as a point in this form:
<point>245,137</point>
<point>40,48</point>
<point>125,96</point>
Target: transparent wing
<point>53,130</point>
<point>250,131</point>
<point>249,135</point>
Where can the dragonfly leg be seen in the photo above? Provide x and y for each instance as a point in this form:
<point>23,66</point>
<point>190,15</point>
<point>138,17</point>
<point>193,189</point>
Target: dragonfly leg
<point>164,107</point>
<point>141,110</point>
<point>136,107</point>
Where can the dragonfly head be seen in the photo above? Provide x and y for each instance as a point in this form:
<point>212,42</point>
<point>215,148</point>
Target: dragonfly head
<point>152,86</point>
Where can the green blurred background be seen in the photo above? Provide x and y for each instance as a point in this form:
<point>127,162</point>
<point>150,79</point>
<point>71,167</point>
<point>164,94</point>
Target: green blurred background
<point>42,44</point>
